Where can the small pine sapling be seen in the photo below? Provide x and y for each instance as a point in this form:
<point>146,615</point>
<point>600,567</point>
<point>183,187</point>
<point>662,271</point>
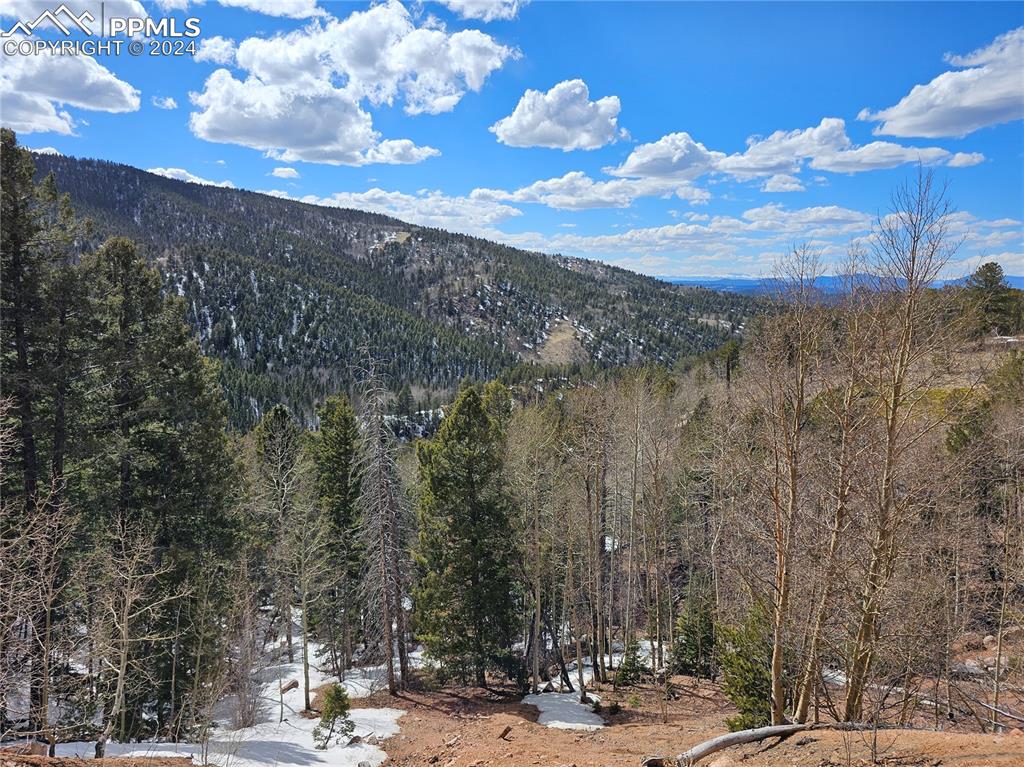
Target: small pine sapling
<point>334,721</point>
<point>632,670</point>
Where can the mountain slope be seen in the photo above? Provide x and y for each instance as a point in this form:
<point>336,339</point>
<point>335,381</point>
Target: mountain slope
<point>288,295</point>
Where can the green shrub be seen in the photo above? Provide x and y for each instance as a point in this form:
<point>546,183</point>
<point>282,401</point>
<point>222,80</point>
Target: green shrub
<point>334,722</point>
<point>693,650</point>
<point>631,671</point>
<point>745,655</point>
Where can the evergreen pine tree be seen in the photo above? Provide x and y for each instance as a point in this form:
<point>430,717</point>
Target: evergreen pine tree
<point>36,228</point>
<point>334,718</point>
<point>334,452</point>
<point>746,667</point>
<point>994,300</point>
<point>693,651</point>
<point>465,601</point>
<point>161,462</point>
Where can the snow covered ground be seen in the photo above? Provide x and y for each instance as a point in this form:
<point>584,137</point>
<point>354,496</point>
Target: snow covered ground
<point>271,743</point>
<point>564,711</point>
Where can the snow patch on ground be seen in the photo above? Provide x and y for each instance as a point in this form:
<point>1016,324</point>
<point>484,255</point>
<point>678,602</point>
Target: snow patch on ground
<point>268,744</point>
<point>564,711</point>
<point>271,743</point>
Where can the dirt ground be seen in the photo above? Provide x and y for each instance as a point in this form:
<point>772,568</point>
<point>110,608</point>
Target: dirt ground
<point>8,759</point>
<point>472,727</point>
<point>463,727</point>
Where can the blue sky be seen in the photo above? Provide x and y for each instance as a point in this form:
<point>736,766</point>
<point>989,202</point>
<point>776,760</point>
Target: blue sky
<point>677,139</point>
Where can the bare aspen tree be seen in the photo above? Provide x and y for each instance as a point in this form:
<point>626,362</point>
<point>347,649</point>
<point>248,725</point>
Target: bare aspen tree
<point>660,443</point>
<point>246,631</point>
<point>586,459</point>
<point>841,374</point>
<point>18,587</point>
<point>210,678</point>
<point>307,561</point>
<point>33,582</point>
<point>784,362</point>
<point>533,463</point>
<point>909,248</point>
<point>1009,440</point>
<point>53,533</point>
<point>127,603</point>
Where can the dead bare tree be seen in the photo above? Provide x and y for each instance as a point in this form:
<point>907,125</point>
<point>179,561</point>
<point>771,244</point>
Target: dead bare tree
<point>384,514</point>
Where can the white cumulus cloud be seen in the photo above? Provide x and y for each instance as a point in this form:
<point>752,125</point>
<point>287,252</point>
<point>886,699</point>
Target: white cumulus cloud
<point>563,118</point>
<point>781,182</point>
<point>335,129</point>
<point>825,146</point>
<point>485,10</point>
<point>965,159</point>
<point>303,92</point>
<point>284,173</point>
<point>425,208</point>
<point>878,155</point>
<point>292,9</point>
<point>381,55</point>
<point>577,191</point>
<point>31,87</point>
<point>183,175</point>
<point>164,102</point>
<point>675,156</point>
<point>216,50</point>
<point>986,89</point>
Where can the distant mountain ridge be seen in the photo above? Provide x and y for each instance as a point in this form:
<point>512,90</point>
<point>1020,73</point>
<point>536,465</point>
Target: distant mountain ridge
<point>755,286</point>
<point>288,295</point>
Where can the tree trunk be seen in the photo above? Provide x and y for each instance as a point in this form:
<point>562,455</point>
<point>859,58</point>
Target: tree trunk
<point>305,650</point>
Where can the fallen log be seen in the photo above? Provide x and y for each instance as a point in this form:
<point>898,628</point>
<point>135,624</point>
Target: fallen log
<point>999,711</point>
<point>739,738</point>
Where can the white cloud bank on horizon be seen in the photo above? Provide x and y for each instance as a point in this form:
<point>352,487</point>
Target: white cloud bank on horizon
<point>181,174</point>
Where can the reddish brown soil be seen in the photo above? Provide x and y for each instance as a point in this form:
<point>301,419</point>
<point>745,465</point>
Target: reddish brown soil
<point>8,759</point>
<point>462,727</point>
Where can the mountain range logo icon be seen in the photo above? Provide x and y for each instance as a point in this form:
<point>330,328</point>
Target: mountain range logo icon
<point>62,18</point>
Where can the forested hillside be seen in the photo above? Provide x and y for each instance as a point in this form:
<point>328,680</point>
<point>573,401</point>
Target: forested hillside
<point>819,527</point>
<point>288,295</point>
